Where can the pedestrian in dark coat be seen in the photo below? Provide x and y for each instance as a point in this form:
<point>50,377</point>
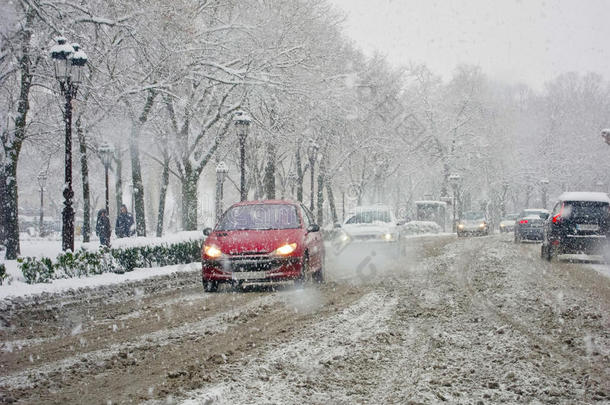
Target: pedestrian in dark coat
<point>124,221</point>
<point>102,228</point>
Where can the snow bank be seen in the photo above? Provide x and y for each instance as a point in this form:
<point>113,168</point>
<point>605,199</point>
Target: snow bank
<point>421,227</point>
<point>19,288</point>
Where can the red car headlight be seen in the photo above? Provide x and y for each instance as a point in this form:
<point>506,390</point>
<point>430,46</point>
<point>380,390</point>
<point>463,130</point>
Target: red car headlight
<point>212,251</point>
<point>286,249</point>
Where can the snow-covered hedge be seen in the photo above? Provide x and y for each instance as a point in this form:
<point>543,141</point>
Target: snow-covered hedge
<point>3,274</point>
<point>421,227</point>
<point>86,262</point>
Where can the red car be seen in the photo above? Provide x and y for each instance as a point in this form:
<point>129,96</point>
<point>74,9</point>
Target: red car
<point>257,241</point>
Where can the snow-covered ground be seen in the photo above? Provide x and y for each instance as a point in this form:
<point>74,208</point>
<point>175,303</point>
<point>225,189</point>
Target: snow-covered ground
<point>18,288</point>
<point>468,320</point>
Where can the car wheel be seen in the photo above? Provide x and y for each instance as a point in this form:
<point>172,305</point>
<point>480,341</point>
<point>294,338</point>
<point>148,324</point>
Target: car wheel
<point>550,253</point>
<point>301,280</point>
<point>318,276</point>
<point>210,286</point>
<point>517,238</point>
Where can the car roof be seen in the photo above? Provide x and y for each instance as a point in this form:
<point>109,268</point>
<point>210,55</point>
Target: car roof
<point>584,196</point>
<point>265,202</point>
<point>376,207</point>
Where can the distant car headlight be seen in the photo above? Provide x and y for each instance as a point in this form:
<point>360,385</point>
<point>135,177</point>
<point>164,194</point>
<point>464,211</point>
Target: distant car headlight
<point>502,225</point>
<point>286,249</point>
<point>212,251</point>
<point>482,225</point>
<point>460,226</point>
<point>344,238</point>
<point>388,237</point>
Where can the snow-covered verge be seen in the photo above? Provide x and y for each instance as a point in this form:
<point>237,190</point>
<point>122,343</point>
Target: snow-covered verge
<point>19,288</point>
<point>124,255</point>
<point>421,227</point>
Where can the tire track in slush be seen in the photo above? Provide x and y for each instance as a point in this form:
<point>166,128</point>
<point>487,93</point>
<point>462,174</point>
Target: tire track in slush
<point>303,360</point>
<point>215,324</point>
<point>464,277</point>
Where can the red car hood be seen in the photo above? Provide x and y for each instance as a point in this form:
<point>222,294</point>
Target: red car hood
<point>254,242</point>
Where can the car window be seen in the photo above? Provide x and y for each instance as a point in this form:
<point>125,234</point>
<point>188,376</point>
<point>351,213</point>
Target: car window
<point>585,210</point>
<point>260,217</point>
<point>556,209</point>
<point>531,213</point>
<point>473,215</point>
<point>307,216</point>
<point>368,217</point>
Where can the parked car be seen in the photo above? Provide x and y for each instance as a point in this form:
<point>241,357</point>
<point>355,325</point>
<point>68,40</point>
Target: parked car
<point>508,223</point>
<point>374,225</point>
<point>473,223</point>
<point>579,223</point>
<point>262,241</point>
<point>529,224</point>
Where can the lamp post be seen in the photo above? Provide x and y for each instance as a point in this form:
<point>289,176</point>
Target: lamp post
<point>312,154</point>
<point>106,152</point>
<point>221,174</point>
<point>454,180</point>
<point>606,135</point>
<point>42,179</point>
<point>544,185</point>
<point>69,61</point>
<point>242,123</point>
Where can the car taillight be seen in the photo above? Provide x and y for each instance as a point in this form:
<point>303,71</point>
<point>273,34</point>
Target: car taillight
<point>523,221</point>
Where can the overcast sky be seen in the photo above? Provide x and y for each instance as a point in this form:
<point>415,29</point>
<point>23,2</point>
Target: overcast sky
<point>529,41</point>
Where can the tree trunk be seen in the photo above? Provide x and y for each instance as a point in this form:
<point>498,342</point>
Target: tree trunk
<point>300,174</point>
<point>118,181</point>
<point>331,202</point>
<point>136,171</point>
<point>189,198</point>
<point>138,187</point>
<point>12,149</point>
<point>445,183</point>
<point>3,211</point>
<point>84,169</point>
<point>162,195</point>
<point>320,193</point>
<point>269,176</point>
<point>12,205</point>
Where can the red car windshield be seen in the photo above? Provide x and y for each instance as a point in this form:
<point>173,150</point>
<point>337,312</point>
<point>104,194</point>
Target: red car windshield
<point>260,217</point>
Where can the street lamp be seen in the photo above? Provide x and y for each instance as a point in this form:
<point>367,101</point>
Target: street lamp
<point>454,180</point>
<point>42,179</point>
<point>69,61</point>
<point>221,174</point>
<point>106,152</point>
<point>544,184</point>
<point>606,135</point>
<point>242,123</point>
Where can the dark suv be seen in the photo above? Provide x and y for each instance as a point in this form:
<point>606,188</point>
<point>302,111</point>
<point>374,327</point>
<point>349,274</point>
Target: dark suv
<point>579,223</point>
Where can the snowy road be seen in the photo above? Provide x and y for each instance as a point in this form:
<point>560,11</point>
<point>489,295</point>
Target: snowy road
<point>462,320</point>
